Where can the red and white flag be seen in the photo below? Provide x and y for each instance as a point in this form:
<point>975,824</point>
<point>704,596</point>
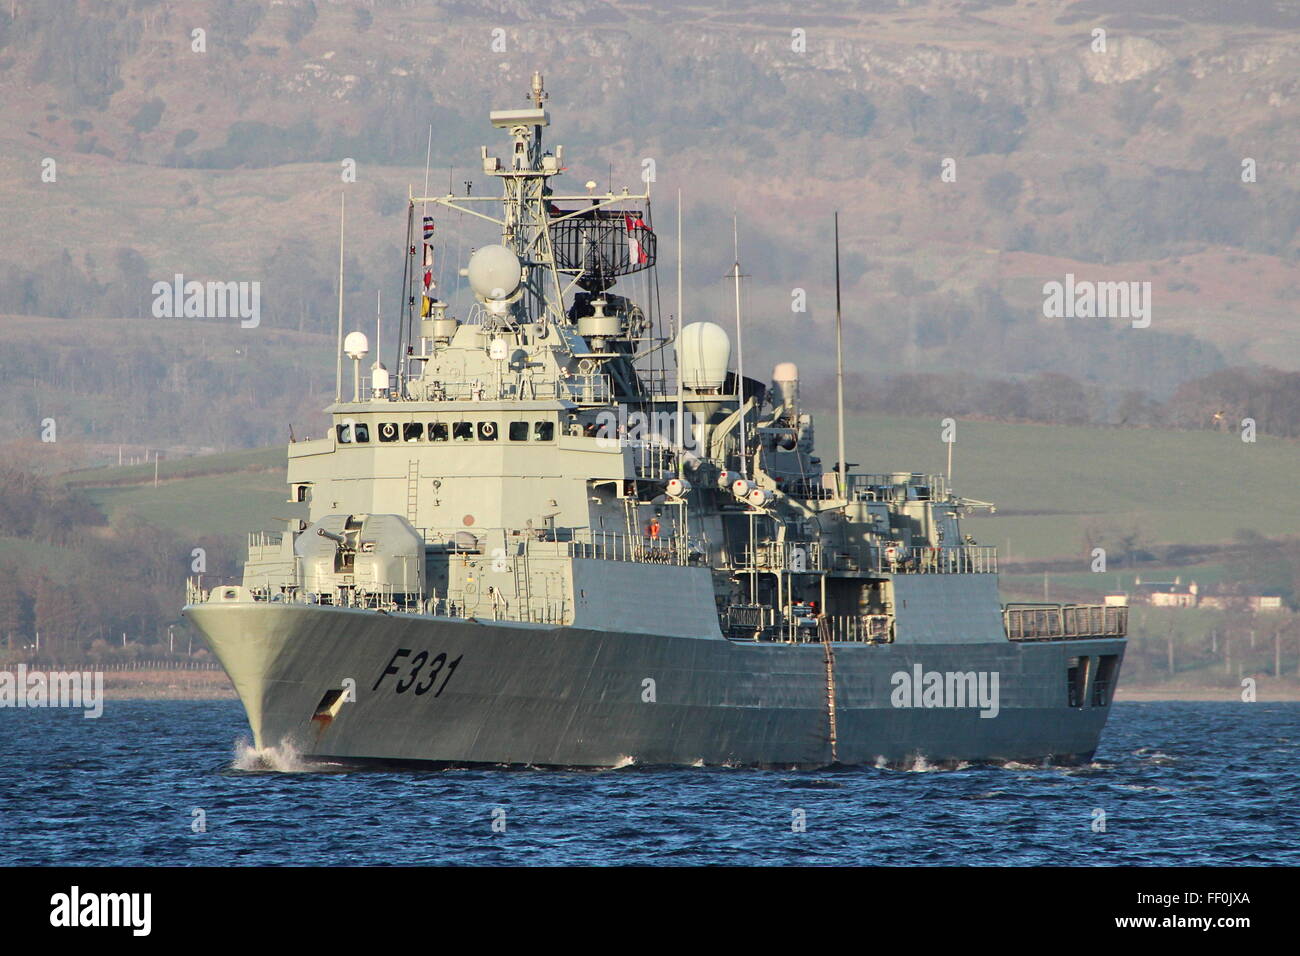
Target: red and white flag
<point>635,252</point>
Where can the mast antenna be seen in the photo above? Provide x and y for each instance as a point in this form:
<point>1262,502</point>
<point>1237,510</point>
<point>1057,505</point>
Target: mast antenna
<point>740,351</point>
<point>338,369</point>
<point>681,439</point>
<point>839,363</point>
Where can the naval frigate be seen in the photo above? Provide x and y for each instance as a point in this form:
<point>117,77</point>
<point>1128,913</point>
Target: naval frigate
<point>564,531</point>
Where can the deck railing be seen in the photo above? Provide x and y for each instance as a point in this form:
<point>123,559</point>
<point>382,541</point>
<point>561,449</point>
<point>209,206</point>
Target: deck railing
<point>593,389</point>
<point>611,546</point>
<point>809,556</point>
<point>523,610</point>
<point>870,487</point>
<point>756,622</point>
<point>1051,622</point>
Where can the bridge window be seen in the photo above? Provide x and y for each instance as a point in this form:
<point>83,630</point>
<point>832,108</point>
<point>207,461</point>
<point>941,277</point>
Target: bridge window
<point>412,431</point>
<point>462,431</point>
<point>438,431</point>
<point>388,431</point>
<point>487,431</point>
<point>519,431</point>
<point>544,431</point>
<point>349,432</point>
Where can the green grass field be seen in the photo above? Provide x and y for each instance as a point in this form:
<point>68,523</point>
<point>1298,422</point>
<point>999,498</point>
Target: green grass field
<point>1050,482</point>
<point>224,494</point>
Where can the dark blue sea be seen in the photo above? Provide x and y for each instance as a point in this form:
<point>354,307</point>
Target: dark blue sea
<point>1179,783</point>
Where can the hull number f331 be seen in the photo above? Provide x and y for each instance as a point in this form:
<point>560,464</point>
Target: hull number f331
<point>419,673</point>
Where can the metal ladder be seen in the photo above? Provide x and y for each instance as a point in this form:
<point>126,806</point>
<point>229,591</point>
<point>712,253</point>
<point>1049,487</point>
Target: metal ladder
<point>824,632</point>
<point>412,490</point>
<point>523,596</point>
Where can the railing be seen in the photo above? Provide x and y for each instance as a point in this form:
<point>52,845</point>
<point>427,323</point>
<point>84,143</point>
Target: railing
<point>265,539</point>
<point>576,543</point>
<point>962,559</point>
<point>108,665</point>
<point>871,487</point>
<point>530,611</point>
<point>592,389</point>
<point>897,487</point>
<point>653,459</point>
<point>811,557</point>
<point>1049,622</point>
<point>611,546</point>
<point>794,556</point>
<point>757,622</point>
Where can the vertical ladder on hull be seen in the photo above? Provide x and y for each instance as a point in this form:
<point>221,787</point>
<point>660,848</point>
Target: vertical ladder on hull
<point>523,597</point>
<point>412,490</point>
<point>824,632</point>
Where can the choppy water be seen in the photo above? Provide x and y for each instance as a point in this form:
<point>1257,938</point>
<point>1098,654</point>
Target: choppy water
<point>1180,783</point>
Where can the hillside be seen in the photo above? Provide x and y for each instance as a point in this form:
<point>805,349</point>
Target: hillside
<point>1115,165</point>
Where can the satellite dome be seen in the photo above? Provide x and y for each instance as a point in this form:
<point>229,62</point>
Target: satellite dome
<point>494,273</point>
<point>785,380</point>
<point>703,353</point>
<point>785,372</point>
<point>355,345</point>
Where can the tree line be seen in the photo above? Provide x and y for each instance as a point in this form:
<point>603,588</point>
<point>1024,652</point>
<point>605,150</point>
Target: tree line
<point>81,581</point>
<point>1220,401</point>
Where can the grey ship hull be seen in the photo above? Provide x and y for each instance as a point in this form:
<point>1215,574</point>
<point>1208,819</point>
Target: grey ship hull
<point>526,694</point>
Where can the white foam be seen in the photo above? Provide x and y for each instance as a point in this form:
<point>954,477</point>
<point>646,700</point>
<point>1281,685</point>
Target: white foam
<point>282,758</point>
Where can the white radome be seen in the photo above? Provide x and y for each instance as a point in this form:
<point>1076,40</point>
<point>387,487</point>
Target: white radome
<point>703,354</point>
<point>785,372</point>
<point>494,273</point>
<point>356,345</point>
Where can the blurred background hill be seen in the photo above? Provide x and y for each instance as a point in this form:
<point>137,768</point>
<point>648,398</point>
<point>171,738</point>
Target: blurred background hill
<point>1120,165</point>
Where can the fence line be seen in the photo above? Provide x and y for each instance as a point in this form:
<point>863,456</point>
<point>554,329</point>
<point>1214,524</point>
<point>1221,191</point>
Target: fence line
<point>152,665</point>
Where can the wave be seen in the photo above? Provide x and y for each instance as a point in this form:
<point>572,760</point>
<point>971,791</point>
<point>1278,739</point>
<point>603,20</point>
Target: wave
<point>282,758</point>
